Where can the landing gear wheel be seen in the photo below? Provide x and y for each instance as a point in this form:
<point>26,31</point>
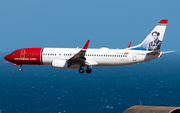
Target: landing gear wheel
<point>20,69</point>
<point>88,70</point>
<point>81,70</point>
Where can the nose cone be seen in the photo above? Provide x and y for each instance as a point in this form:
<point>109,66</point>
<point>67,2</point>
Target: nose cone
<point>7,57</point>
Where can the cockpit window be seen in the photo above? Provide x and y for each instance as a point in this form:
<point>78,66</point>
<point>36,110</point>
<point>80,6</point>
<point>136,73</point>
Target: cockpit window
<point>13,53</point>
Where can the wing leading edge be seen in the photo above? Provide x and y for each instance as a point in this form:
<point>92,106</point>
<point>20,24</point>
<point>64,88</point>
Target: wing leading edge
<point>79,57</point>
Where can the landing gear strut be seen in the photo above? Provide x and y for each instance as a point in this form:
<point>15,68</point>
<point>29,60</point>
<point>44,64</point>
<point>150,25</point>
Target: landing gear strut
<point>88,70</point>
<point>20,69</point>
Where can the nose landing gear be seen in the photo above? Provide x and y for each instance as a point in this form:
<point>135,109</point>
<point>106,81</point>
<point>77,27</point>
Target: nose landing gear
<point>20,69</point>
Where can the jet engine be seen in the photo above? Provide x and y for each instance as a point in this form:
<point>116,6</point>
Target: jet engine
<point>60,64</point>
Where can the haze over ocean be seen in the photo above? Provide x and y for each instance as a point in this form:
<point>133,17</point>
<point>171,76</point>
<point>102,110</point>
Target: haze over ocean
<point>107,89</point>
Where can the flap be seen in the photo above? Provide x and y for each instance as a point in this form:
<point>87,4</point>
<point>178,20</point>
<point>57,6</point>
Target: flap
<point>90,62</point>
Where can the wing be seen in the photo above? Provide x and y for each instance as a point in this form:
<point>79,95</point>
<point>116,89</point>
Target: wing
<point>79,57</point>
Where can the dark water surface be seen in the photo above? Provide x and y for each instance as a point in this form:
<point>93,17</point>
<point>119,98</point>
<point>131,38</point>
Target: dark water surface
<point>42,89</point>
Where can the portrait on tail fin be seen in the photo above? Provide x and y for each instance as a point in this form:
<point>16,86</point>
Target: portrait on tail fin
<point>156,43</point>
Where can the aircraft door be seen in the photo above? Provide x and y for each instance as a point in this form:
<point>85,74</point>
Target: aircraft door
<point>23,53</point>
<point>134,56</point>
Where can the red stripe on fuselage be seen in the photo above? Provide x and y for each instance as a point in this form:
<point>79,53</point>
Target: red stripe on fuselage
<point>29,56</point>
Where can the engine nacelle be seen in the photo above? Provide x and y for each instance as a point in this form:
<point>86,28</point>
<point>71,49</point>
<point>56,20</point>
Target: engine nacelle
<point>59,64</point>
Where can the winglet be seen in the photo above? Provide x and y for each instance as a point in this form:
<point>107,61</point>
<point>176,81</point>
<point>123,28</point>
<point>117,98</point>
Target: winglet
<point>86,45</point>
<point>129,45</point>
<point>163,21</point>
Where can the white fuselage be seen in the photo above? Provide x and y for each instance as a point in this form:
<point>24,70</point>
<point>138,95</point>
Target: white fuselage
<point>101,57</point>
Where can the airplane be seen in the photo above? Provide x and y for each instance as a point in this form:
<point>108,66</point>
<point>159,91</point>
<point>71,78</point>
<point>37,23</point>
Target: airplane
<point>77,58</point>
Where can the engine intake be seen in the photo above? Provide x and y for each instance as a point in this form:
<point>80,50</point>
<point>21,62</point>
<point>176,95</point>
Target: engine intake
<point>60,64</point>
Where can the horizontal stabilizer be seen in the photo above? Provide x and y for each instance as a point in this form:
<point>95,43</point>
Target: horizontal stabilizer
<point>154,52</point>
<point>168,52</point>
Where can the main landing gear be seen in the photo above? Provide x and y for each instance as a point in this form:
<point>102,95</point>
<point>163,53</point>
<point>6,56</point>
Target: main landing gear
<point>81,70</point>
<point>88,70</point>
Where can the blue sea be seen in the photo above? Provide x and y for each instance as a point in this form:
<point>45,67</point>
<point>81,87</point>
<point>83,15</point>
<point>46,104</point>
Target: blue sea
<point>43,89</point>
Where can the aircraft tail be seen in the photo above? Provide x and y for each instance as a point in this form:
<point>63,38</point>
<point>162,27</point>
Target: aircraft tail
<point>153,41</point>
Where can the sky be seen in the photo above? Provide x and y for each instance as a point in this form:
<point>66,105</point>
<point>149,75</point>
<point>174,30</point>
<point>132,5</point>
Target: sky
<point>70,23</point>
